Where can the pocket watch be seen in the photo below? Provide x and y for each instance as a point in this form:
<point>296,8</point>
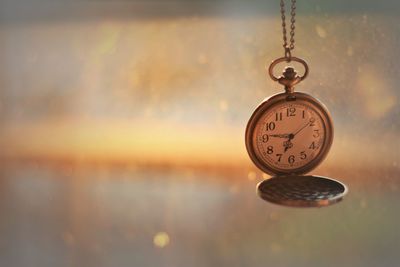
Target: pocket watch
<point>290,132</point>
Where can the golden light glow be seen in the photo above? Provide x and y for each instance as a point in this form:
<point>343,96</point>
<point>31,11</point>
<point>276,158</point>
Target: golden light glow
<point>155,143</point>
<point>180,90</point>
<point>161,239</point>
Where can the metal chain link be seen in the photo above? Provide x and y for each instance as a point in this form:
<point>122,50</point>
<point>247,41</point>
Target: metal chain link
<point>286,46</point>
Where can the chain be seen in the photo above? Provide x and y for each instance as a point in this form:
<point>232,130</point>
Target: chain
<point>286,46</point>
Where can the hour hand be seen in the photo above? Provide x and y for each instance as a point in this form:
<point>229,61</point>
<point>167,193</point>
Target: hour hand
<point>280,135</point>
<point>287,144</point>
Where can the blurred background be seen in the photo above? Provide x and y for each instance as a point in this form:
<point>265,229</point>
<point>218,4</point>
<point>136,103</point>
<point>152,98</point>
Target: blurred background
<point>122,133</point>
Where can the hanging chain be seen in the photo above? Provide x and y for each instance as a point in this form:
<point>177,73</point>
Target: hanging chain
<point>289,77</point>
<point>286,46</point>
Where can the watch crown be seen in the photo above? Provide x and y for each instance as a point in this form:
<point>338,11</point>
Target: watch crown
<point>289,79</point>
<point>289,73</point>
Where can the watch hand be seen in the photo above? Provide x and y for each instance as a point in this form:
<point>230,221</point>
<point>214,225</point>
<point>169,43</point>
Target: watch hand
<point>288,144</point>
<point>304,126</point>
<point>280,135</point>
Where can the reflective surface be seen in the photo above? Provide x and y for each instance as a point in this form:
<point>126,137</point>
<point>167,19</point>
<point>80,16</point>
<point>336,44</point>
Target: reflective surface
<point>130,216</point>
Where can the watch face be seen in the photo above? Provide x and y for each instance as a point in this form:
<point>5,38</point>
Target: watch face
<point>289,136</point>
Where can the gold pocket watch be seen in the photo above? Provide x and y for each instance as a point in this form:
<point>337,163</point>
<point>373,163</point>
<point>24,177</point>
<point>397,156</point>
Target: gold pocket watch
<point>288,135</point>
<point>291,132</point>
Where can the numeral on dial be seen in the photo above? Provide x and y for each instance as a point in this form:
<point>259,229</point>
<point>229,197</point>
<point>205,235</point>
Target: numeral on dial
<point>290,112</point>
<point>279,157</point>
<point>265,138</point>
<point>316,133</point>
<point>270,126</point>
<point>303,155</point>
<point>270,149</point>
<point>291,159</point>
<point>312,122</point>
<point>278,116</point>
<point>312,146</point>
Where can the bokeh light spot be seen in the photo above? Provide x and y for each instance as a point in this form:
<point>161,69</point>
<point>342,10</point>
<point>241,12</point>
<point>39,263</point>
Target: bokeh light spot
<point>251,176</point>
<point>161,239</point>
<point>320,31</point>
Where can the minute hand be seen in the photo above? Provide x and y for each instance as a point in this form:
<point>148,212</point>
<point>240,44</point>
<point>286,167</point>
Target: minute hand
<point>299,130</point>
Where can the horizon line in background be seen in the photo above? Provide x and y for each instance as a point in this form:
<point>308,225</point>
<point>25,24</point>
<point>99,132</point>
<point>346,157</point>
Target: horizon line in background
<point>164,144</point>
